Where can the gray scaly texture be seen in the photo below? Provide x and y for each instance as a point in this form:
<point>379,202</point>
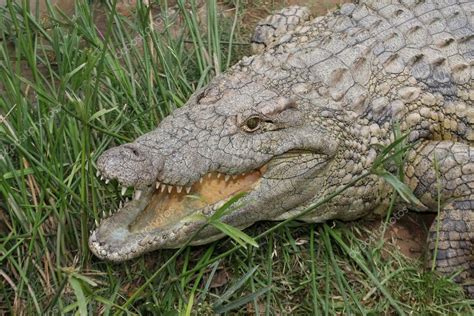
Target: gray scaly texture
<point>313,107</point>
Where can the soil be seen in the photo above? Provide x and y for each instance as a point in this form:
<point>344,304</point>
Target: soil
<point>408,233</point>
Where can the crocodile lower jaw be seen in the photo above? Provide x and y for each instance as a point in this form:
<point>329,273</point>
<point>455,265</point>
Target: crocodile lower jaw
<point>155,213</point>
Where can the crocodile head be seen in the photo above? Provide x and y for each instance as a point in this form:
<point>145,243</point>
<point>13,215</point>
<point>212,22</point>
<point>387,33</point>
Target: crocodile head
<point>240,134</point>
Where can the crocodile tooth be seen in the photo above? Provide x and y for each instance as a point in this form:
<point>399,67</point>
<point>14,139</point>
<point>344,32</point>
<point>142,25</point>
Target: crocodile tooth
<point>157,185</point>
<point>97,173</point>
<point>200,180</point>
<point>188,189</point>
<point>123,191</point>
<point>96,223</point>
<point>102,178</point>
<point>243,174</point>
<point>179,189</point>
<point>137,194</point>
<point>163,187</point>
<point>227,177</point>
<point>219,175</point>
<point>107,181</point>
<point>127,199</point>
<point>170,189</point>
<point>120,204</point>
<point>104,215</point>
<point>110,213</point>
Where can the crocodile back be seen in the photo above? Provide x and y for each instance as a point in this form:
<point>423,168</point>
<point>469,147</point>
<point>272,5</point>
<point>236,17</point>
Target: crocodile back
<point>383,60</point>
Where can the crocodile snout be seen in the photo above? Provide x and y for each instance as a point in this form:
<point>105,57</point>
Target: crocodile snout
<point>130,164</point>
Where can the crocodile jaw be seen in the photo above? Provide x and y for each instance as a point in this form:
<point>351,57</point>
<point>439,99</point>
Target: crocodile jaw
<point>160,219</point>
<point>165,219</point>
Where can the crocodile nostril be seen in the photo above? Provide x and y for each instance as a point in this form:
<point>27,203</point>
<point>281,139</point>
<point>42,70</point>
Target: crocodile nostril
<point>132,152</point>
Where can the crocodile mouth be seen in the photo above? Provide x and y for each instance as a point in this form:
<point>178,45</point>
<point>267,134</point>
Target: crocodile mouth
<point>155,213</point>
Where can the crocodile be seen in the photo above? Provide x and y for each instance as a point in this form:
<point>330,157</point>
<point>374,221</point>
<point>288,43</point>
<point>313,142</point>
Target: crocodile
<point>302,118</point>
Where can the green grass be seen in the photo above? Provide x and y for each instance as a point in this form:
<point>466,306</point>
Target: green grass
<point>69,92</point>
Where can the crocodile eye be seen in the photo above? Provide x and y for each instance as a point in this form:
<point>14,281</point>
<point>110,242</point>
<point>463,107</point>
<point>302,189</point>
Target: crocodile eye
<point>252,124</point>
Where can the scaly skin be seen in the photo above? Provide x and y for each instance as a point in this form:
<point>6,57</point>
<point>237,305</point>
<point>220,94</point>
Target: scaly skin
<point>304,117</point>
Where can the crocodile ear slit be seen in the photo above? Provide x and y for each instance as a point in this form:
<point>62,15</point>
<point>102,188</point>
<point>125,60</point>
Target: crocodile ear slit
<point>278,106</point>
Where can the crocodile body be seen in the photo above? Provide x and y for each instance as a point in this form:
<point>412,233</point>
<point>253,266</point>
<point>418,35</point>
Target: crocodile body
<point>303,118</point>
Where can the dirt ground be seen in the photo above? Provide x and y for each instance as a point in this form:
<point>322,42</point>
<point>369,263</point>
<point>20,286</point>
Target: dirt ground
<point>408,233</point>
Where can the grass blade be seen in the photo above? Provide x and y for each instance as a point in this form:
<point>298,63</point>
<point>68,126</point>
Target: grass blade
<point>81,298</point>
<point>236,234</point>
<point>241,301</point>
<point>237,285</point>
